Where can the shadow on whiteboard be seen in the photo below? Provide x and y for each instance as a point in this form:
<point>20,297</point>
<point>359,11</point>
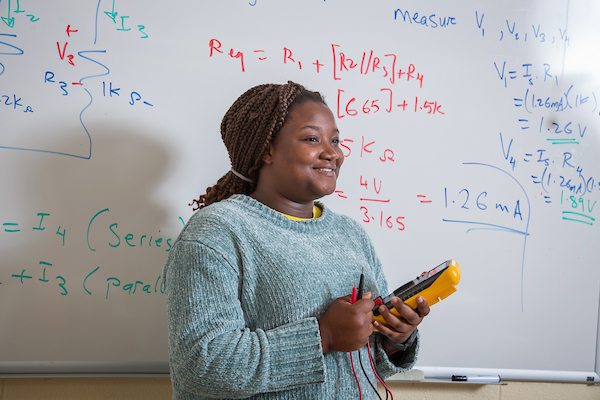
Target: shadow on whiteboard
<point>81,271</point>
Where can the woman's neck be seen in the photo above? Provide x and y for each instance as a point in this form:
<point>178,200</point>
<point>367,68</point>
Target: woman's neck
<point>284,205</point>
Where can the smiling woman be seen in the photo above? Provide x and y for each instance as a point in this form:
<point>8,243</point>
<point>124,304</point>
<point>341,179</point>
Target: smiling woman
<point>302,163</point>
<point>259,240</point>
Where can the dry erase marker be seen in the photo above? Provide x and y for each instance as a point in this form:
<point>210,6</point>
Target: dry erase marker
<point>476,378</point>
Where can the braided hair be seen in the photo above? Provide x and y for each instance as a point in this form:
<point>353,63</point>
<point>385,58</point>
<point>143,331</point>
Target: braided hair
<point>249,125</point>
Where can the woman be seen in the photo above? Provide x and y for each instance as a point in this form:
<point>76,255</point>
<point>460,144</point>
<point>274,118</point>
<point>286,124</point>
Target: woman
<point>257,283</point>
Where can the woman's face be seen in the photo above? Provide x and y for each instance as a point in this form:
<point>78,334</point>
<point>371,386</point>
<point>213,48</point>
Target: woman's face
<point>305,157</point>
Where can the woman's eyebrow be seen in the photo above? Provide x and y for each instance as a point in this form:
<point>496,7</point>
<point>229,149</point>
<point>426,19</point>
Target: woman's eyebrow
<point>317,128</point>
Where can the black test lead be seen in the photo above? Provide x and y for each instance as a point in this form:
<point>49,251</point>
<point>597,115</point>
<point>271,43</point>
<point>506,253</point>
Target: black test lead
<point>361,284</point>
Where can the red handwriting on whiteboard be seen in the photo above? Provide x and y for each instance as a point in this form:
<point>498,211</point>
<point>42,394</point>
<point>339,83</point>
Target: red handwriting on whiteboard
<point>62,52</point>
<point>215,47</point>
<point>384,220</point>
<point>384,101</point>
<point>368,62</point>
<point>387,66</point>
<point>366,148</point>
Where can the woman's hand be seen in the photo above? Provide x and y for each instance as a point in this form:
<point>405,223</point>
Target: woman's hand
<point>346,326</point>
<point>399,329</point>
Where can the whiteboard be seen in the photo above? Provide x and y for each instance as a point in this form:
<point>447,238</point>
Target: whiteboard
<point>469,132</point>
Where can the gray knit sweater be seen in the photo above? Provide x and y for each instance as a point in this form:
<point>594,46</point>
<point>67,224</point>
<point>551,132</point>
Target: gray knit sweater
<point>244,288</point>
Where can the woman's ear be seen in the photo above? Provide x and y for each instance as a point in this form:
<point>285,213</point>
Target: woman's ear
<point>267,156</point>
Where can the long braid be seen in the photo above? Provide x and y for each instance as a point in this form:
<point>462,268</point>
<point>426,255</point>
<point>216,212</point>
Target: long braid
<point>249,125</point>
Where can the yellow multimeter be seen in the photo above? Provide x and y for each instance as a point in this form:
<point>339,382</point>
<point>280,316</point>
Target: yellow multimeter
<point>433,286</point>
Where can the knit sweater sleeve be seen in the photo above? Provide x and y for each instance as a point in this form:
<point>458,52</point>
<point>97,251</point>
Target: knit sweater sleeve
<point>212,351</point>
<point>399,362</point>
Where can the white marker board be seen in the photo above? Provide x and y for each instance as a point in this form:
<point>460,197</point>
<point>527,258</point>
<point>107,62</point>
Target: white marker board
<point>471,132</point>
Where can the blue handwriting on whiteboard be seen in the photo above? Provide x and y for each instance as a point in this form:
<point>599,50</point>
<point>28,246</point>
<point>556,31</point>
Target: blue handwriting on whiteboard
<point>486,226</point>
<point>19,51</point>
<point>431,21</point>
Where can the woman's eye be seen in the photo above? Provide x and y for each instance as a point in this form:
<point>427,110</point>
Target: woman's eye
<point>335,141</point>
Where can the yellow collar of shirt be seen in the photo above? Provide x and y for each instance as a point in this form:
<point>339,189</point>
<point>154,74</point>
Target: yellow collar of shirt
<point>317,212</point>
